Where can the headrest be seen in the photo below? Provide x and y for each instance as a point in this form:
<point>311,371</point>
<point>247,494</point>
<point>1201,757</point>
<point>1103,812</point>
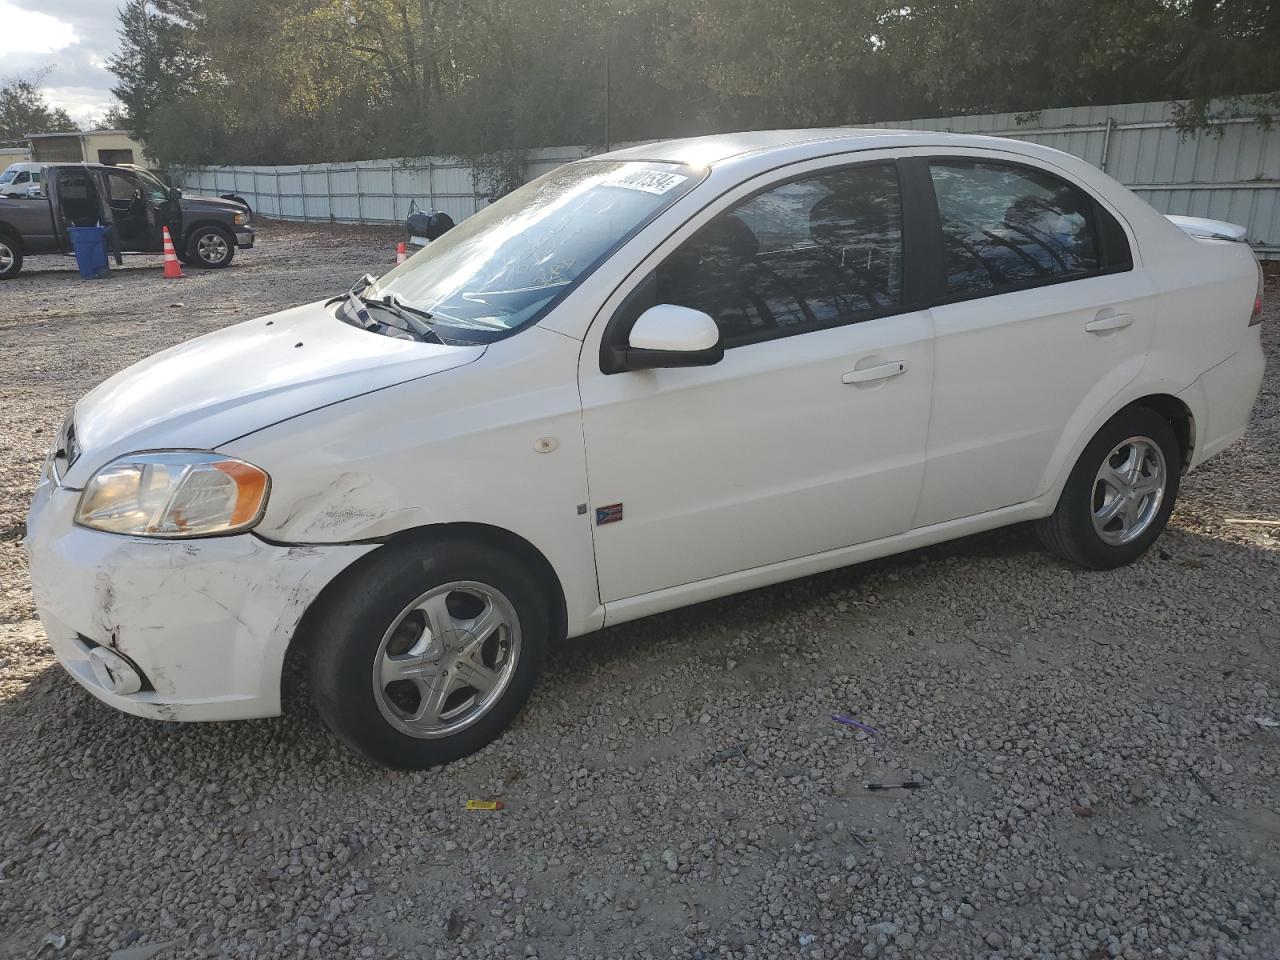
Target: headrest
<point>727,238</point>
<point>836,220</point>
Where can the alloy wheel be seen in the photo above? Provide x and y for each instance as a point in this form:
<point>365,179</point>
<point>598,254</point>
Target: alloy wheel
<point>446,659</point>
<point>1128,490</point>
<point>212,248</point>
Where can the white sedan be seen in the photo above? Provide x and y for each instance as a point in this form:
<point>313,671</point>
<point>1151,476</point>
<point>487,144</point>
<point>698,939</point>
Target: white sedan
<point>649,378</point>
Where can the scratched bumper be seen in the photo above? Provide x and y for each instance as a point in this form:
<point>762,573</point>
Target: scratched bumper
<point>206,620</point>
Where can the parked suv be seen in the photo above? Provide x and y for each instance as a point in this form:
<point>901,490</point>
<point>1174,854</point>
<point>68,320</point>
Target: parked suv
<point>645,380</point>
<point>136,204</point>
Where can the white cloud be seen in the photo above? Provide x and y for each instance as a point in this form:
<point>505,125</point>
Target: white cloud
<point>72,39</point>
<point>29,31</point>
<point>83,104</point>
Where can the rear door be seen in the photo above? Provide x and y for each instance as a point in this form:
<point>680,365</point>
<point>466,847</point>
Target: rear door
<point>809,435</point>
<point>1042,317</point>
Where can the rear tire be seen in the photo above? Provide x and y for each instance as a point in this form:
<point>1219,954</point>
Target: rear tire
<point>210,248</point>
<point>10,256</point>
<point>1119,495</point>
<point>428,652</point>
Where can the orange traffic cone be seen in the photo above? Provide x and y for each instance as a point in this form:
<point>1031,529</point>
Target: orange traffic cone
<point>172,269</point>
<point>401,253</point>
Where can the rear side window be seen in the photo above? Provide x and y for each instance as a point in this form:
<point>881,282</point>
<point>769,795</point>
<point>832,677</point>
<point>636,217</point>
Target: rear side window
<point>1006,227</point>
<point>808,254</point>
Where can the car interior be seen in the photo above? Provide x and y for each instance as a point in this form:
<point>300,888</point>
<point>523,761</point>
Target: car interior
<point>804,256</point>
<point>129,210</point>
<point>77,198</point>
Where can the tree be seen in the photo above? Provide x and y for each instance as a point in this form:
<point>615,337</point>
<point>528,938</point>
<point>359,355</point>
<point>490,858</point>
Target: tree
<point>24,110</point>
<point>297,81</point>
<point>160,66</point>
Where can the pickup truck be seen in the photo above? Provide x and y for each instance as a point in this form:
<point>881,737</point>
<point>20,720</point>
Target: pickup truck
<point>133,203</point>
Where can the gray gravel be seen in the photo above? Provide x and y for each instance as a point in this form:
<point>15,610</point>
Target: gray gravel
<point>1096,783</point>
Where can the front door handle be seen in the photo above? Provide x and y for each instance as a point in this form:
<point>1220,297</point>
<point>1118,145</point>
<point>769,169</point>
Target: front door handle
<point>1114,321</point>
<point>880,371</point>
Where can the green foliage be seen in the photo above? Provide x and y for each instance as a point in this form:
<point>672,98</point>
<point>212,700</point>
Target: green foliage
<point>24,110</point>
<point>299,81</point>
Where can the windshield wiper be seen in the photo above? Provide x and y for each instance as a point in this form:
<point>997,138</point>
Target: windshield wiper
<point>352,297</point>
<point>414,319</point>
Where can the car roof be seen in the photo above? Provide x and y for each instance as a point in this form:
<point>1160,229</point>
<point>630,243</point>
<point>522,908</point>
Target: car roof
<point>709,151</point>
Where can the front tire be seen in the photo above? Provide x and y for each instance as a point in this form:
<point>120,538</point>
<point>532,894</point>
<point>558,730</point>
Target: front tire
<point>10,257</point>
<point>210,247</point>
<point>1120,493</point>
<point>429,652</point>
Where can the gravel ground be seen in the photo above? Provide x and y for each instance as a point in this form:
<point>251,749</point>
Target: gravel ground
<point>1096,783</point>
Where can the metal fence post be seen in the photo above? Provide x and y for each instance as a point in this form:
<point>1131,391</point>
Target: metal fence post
<point>1106,143</point>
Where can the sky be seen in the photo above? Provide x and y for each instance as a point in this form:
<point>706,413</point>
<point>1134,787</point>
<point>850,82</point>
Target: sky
<point>74,37</point>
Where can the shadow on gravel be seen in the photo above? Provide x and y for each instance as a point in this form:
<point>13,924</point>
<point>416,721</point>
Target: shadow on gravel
<point>55,717</point>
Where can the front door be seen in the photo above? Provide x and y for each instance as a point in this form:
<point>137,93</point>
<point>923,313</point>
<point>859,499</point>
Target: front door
<point>136,217</point>
<point>809,435</point>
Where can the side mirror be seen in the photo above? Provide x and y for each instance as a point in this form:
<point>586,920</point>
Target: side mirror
<point>174,194</point>
<point>670,336</point>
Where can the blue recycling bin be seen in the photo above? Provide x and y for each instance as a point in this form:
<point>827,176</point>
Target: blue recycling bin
<point>90,246</point>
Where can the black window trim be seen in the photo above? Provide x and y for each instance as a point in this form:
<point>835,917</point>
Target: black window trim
<point>613,342</point>
<point>923,265</point>
<point>1109,261</point>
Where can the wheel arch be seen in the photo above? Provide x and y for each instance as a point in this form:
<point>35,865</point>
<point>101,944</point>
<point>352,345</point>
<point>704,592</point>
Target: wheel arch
<point>188,230</point>
<point>1157,398</point>
<point>497,537</point>
<point>1180,418</point>
<point>12,235</point>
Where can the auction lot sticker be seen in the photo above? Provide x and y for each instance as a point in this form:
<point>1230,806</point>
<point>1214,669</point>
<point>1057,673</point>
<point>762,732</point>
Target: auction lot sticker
<point>649,181</point>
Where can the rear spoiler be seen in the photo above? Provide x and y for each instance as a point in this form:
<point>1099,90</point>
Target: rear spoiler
<point>1205,229</point>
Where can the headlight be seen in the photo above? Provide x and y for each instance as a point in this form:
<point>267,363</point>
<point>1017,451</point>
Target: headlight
<point>241,219</point>
<point>179,494</point>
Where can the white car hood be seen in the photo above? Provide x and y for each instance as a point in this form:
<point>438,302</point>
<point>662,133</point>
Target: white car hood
<point>223,385</point>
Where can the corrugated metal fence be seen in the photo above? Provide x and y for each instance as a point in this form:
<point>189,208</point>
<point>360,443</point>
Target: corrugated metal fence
<point>360,191</point>
<point>1231,172</point>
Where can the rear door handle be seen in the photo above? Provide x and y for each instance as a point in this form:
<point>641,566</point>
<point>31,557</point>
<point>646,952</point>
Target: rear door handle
<point>880,371</point>
<point>1115,321</point>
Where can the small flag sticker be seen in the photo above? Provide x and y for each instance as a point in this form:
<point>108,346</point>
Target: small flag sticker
<point>611,513</point>
<point>484,804</point>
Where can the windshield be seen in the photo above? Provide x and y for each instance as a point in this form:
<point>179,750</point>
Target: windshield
<point>502,268</point>
<point>8,175</point>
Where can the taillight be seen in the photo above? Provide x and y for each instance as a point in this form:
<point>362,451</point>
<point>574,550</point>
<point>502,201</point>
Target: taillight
<point>1257,302</point>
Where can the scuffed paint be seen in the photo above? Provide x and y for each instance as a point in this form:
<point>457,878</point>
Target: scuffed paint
<point>206,621</point>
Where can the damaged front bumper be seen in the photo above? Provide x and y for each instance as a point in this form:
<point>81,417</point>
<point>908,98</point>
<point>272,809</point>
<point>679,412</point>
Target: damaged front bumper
<point>205,623</point>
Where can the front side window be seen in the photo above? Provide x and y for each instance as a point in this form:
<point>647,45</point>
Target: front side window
<point>152,186</point>
<point>122,186</point>
<point>1007,227</point>
<point>502,268</point>
<point>809,254</point>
